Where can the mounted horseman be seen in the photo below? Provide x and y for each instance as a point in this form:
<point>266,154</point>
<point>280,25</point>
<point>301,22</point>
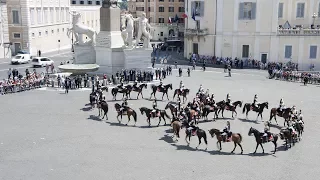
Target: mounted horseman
<point>255,102</point>
<point>281,107</point>
<point>228,101</point>
<point>124,107</point>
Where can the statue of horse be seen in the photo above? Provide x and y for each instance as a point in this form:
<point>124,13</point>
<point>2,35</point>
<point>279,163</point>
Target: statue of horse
<point>79,29</point>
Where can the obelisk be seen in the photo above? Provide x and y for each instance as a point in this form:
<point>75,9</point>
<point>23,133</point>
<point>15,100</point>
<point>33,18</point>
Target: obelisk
<point>109,43</point>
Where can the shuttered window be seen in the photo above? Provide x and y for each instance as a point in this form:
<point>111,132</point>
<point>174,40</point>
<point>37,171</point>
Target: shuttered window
<point>313,52</point>
<point>319,10</point>
<point>288,52</point>
<point>280,10</point>
<point>300,10</point>
<point>197,7</point>
<point>247,11</point>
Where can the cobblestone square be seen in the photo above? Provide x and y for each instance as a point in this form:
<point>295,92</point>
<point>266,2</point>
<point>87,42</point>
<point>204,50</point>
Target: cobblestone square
<point>46,134</point>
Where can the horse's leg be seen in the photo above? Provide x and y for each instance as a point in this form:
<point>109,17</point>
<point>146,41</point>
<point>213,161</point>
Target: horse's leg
<point>240,147</point>
<point>262,148</point>
<point>141,94</point>
<point>187,139</point>
<point>235,145</point>
<point>275,147</point>
<point>247,113</point>
<point>220,146</point>
<point>199,138</point>
<point>159,121</point>
<point>162,95</point>
<point>167,95</point>
<point>149,121</point>
<point>128,120</point>
<point>118,117</point>
<point>261,115</point>
<point>256,148</point>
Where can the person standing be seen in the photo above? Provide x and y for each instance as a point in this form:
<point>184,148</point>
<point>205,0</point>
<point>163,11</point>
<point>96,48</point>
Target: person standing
<point>67,85</point>
<point>85,80</point>
<point>9,73</point>
<point>39,53</point>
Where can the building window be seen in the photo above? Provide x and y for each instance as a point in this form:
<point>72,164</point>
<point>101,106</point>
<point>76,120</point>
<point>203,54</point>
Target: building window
<point>197,8</point>
<point>57,15</point>
<point>161,9</point>
<point>81,2</point>
<point>58,30</point>
<point>245,51</point>
<point>62,29</point>
<point>287,51</point>
<point>319,10</point>
<point>181,0</point>
<point>139,8</point>
<point>161,33</point>
<point>97,2</point>
<point>181,20</point>
<point>32,35</point>
<point>89,2</point>
<point>247,11</point>
<point>62,15</point>
<point>300,10</point>
<point>67,15</point>
<point>51,15</point>
<point>171,9</point>
<point>40,34</point>
<point>171,0</point>
<point>39,16</point>
<point>161,0</point>
<point>46,32</point>
<point>181,9</point>
<point>149,9</point>
<point>15,17</point>
<point>32,16</point>
<point>52,31</point>
<point>140,0</point>
<point>313,52</point>
<point>280,10</point>
<point>16,35</point>
<point>161,20</point>
<point>45,15</point>
<point>73,2</point>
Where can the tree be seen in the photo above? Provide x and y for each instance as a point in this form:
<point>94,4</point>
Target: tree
<point>123,4</point>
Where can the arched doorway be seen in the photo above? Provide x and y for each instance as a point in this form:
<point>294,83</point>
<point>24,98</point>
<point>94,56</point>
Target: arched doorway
<point>171,33</point>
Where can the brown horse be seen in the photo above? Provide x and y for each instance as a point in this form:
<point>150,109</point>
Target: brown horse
<point>223,106</point>
<point>235,137</point>
<point>260,140</point>
<point>286,114</point>
<point>184,94</point>
<point>137,89</point>
<point>129,112</point>
<point>176,126</point>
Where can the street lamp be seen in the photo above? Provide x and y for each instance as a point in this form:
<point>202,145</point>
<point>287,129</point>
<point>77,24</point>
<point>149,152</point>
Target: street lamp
<point>314,18</point>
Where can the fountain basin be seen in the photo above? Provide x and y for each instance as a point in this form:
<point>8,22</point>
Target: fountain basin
<point>78,68</point>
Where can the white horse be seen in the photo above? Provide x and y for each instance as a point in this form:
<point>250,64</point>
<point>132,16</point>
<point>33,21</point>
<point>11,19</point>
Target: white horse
<point>79,29</point>
<point>127,33</point>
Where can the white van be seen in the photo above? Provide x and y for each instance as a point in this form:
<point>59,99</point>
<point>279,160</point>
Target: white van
<point>21,59</point>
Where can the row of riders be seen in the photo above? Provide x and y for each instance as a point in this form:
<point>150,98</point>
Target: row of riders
<point>304,77</point>
<point>187,117</point>
<point>18,84</point>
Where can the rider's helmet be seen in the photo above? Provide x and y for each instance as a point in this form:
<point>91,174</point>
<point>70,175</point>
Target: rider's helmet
<point>256,96</point>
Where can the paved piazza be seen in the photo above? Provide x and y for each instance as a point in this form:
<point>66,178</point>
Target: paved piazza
<point>49,135</point>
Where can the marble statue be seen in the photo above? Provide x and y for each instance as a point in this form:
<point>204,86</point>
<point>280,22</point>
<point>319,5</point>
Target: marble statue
<point>127,28</point>
<point>142,30</point>
<point>79,29</point>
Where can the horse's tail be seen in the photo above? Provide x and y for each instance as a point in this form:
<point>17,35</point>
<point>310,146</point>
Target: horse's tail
<point>240,137</point>
<point>134,114</point>
<point>244,108</point>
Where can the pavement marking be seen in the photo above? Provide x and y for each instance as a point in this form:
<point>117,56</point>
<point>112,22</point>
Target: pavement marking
<point>5,62</point>
<point>20,67</point>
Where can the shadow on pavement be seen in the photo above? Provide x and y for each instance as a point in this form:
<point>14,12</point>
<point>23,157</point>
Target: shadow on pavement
<point>86,109</point>
<point>93,117</point>
<point>118,124</point>
<point>249,121</point>
<point>167,139</point>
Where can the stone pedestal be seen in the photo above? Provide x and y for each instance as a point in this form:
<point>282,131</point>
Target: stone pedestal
<point>110,60</point>
<point>84,54</point>
<point>139,58</point>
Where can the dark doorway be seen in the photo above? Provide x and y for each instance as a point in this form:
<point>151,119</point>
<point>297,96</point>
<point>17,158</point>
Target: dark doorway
<point>264,58</point>
<point>195,48</point>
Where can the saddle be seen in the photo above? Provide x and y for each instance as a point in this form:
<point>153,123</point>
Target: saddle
<point>268,139</point>
<point>155,114</point>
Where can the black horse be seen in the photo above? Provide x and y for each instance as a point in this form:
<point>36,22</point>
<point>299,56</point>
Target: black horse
<point>207,109</point>
<point>137,89</point>
<point>287,135</point>
<point>184,94</point>
<point>93,99</point>
<point>159,113</point>
<point>248,106</point>
<point>260,140</point>
<point>116,90</point>
<point>163,89</point>
<point>197,131</point>
<point>103,106</point>
<point>298,126</point>
<point>173,106</point>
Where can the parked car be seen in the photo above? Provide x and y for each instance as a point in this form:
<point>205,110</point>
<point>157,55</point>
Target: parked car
<point>21,59</point>
<point>41,61</point>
